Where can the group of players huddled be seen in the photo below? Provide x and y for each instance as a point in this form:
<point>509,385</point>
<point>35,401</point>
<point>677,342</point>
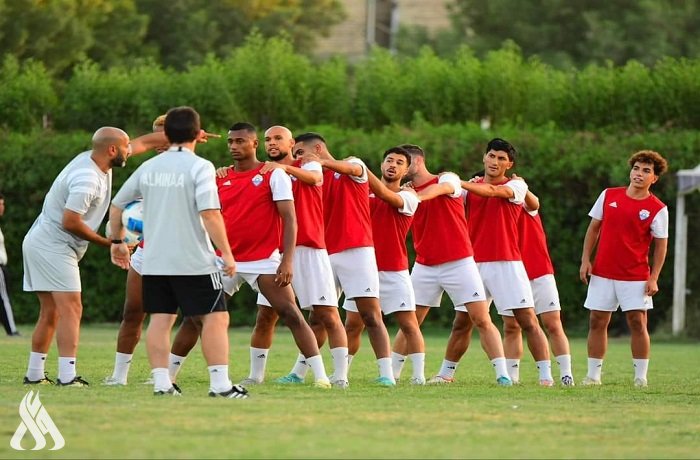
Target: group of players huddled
<point>305,226</point>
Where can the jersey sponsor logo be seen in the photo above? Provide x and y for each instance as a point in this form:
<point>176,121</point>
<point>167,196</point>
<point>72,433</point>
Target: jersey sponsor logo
<point>644,214</point>
<point>613,204</point>
<point>163,179</point>
<point>257,180</point>
<point>336,175</point>
<point>38,423</point>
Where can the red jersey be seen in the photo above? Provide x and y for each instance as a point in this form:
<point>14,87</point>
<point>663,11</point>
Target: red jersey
<point>440,232</point>
<point>253,224</point>
<point>390,227</point>
<point>625,235</point>
<point>346,212</point>
<point>493,226</point>
<point>533,246</point>
<point>308,204</point>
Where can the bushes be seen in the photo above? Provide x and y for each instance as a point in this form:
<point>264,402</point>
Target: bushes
<point>566,169</point>
<point>26,93</point>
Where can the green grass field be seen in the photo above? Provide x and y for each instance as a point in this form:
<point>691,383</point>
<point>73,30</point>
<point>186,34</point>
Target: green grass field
<point>470,418</point>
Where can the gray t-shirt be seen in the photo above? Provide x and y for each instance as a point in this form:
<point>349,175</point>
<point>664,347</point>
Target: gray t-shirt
<point>175,186</point>
<point>81,187</point>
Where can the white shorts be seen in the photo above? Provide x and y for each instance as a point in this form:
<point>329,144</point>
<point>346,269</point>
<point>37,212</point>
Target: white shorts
<point>459,278</point>
<point>545,294</point>
<point>355,273</point>
<point>248,272</point>
<point>395,293</point>
<point>605,294</point>
<point>313,281</point>
<point>507,285</point>
<point>47,270</point>
<point>137,260</point>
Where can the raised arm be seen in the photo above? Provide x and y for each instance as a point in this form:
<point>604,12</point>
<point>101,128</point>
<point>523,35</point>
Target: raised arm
<point>304,175</point>
<point>342,166</point>
<point>148,142</point>
<point>488,190</point>
<point>589,243</point>
<point>382,191</point>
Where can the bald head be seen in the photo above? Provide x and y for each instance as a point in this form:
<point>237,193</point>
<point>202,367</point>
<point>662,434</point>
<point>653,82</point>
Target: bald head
<point>278,142</point>
<point>106,136</point>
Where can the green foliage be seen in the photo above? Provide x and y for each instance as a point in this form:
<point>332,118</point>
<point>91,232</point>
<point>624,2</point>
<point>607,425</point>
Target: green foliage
<point>566,169</point>
<point>26,93</point>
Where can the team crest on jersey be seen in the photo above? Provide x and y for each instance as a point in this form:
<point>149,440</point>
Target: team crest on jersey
<point>644,214</point>
<point>257,180</point>
<point>336,175</point>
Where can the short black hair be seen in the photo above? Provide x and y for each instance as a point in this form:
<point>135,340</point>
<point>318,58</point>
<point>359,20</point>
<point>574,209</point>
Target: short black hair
<point>182,125</point>
<point>501,145</point>
<point>310,136</point>
<point>399,151</point>
<point>413,149</point>
<point>243,126</point>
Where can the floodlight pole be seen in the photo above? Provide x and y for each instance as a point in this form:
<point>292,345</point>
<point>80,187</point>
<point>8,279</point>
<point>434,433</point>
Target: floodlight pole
<point>679,265</point>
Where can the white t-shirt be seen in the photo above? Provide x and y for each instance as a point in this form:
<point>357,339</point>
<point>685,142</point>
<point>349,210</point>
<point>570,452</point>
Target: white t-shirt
<point>281,186</point>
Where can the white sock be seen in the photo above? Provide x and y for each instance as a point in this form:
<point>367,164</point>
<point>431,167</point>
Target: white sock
<point>397,362</point>
<point>418,363</point>
<point>122,363</point>
<point>36,366</point>
<point>340,363</point>
<point>175,363</point>
<point>385,370</point>
<point>316,365</point>
<point>545,368</point>
<point>218,378</point>
<point>349,362</point>
<point>66,369</point>
<point>500,367</point>
<point>161,379</point>
<point>513,369</point>
<point>258,361</point>
<point>595,368</point>
<point>564,362</point>
<point>640,368</point>
<point>301,367</point>
<point>448,369</point>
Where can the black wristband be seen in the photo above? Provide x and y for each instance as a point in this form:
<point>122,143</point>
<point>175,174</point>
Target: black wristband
<point>117,241</point>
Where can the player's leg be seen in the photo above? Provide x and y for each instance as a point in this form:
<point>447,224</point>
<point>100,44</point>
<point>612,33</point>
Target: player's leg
<point>490,339</point>
<point>640,344</point>
<point>41,340</point>
<point>329,318</point>
<point>370,313</point>
<point>602,301</point>
<point>457,345</point>
<point>512,346</point>
<point>70,311</point>
<point>353,329</point>
<point>536,342</point>
<point>560,345</point>
<point>415,344</point>
<point>185,339</point>
<point>261,341</point>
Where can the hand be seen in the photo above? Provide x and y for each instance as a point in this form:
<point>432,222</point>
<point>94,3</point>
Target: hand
<point>476,179</point>
<point>284,273</point>
<point>585,271</point>
<point>204,136</point>
<point>223,171</point>
<point>121,256</point>
<point>270,166</point>
<point>228,265</point>
<point>408,186</point>
<point>310,156</point>
<point>652,287</point>
<point>516,177</point>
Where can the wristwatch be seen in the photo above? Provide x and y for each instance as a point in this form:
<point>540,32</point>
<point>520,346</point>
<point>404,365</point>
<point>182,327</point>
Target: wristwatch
<point>117,241</point>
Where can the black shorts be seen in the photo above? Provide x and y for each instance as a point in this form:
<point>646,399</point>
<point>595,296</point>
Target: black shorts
<point>194,295</point>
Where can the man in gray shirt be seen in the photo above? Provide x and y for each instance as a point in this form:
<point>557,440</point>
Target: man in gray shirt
<point>181,211</point>
<point>72,212</point>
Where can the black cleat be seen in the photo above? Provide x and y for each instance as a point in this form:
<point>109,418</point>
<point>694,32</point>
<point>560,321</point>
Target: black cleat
<point>76,382</point>
<point>236,392</point>
<point>45,381</point>
<point>173,391</point>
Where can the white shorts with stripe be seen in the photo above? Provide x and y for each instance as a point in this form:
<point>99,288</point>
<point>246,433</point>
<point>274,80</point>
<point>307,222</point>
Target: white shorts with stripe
<point>248,272</point>
<point>545,294</point>
<point>459,278</point>
<point>313,279</point>
<point>355,272</point>
<point>605,294</point>
<point>507,285</point>
<point>395,293</point>
<point>50,270</point>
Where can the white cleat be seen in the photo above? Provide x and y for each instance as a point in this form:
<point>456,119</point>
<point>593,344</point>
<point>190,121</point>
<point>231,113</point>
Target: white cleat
<point>439,380</point>
<point>417,381</point>
<point>111,382</point>
<point>588,382</point>
<point>640,382</point>
<point>247,382</point>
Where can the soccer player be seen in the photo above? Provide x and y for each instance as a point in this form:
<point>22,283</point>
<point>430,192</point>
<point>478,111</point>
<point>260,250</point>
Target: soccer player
<point>493,208</point>
<point>624,222</point>
<point>348,232</point>
<point>313,284</point>
<point>538,265</point>
<point>445,262</point>
<point>6,316</point>
<point>72,212</point>
<point>392,211</point>
<point>182,209</point>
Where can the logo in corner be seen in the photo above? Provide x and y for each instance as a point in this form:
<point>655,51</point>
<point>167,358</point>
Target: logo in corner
<point>38,423</point>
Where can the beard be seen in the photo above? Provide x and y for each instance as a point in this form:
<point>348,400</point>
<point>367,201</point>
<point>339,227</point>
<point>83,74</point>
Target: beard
<point>278,157</point>
<point>119,161</point>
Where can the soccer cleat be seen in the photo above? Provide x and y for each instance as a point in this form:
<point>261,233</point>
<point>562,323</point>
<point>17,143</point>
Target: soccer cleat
<point>111,381</point>
<point>247,382</point>
<point>504,381</point>
<point>439,380</point>
<point>546,383</point>
<point>236,392</point>
<point>568,381</point>
<point>172,391</point>
<point>384,382</point>
<point>417,381</point>
<point>45,381</point>
<point>148,381</point>
<point>76,382</point>
<point>342,384</point>
<point>588,382</point>
<point>322,383</point>
<point>290,378</point>
<point>640,382</point>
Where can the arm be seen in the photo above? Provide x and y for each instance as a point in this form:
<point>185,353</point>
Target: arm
<point>148,142</point>
<point>289,241</point>
<point>73,223</point>
<point>382,191</point>
<point>488,190</point>
<point>532,203</point>
<point>304,175</point>
<point>435,190</point>
<point>214,225</point>
<point>120,254</point>
<point>342,167</point>
<point>589,243</point>
<point>659,257</point>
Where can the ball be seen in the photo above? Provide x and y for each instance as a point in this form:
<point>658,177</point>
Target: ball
<point>132,217</point>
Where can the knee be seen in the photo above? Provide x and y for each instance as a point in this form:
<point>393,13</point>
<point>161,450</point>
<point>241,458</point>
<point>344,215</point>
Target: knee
<point>371,319</point>
<point>511,327</point>
<point>266,319</point>
<point>598,323</point>
<point>462,324</point>
<point>637,324</point>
